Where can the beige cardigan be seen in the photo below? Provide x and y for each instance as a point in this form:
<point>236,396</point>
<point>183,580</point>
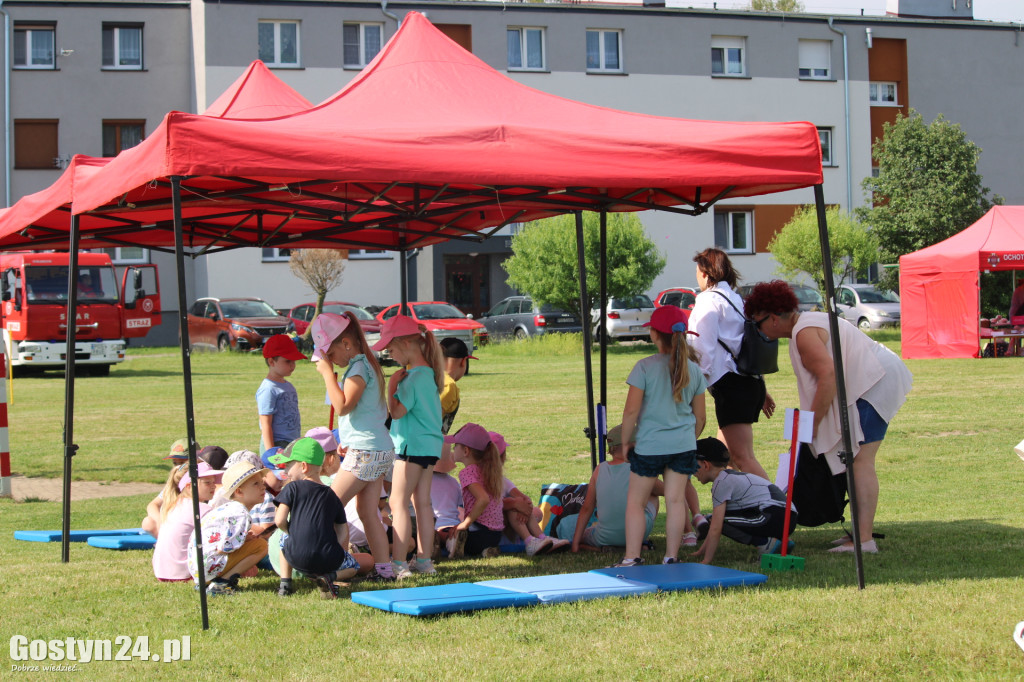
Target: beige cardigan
<point>872,372</point>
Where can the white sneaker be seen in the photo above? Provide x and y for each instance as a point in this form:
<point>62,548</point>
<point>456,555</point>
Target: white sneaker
<point>424,566</point>
<point>536,546</point>
<point>402,570</point>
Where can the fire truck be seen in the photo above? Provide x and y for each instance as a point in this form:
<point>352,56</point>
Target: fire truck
<point>34,297</point>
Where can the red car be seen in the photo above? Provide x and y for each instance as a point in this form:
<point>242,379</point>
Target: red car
<point>443,320</point>
<point>680,297</point>
<point>234,323</point>
<point>302,315</point>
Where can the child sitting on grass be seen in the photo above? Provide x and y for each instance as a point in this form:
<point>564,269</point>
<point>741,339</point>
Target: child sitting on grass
<point>314,520</point>
<point>170,555</point>
<point>479,533</point>
<point>154,517</point>
<point>747,508</point>
<point>520,518</point>
<point>229,548</point>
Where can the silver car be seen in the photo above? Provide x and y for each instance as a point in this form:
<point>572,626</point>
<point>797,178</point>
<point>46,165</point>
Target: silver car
<point>868,307</point>
<point>626,317</point>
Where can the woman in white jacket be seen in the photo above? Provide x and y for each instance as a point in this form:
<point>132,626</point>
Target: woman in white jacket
<point>877,383</point>
<point>717,320</point>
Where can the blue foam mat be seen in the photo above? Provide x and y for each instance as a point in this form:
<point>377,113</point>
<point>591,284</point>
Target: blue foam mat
<point>74,536</point>
<point>684,576</point>
<point>145,541</point>
<point>436,599</point>
<point>552,589</point>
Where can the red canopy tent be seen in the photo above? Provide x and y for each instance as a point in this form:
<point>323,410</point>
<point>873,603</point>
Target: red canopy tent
<point>939,285</point>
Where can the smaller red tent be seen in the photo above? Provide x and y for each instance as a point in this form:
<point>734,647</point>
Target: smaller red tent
<point>939,285</point>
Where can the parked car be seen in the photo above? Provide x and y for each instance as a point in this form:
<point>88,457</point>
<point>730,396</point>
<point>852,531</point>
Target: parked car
<point>302,315</point>
<point>626,317</point>
<point>239,323</point>
<point>808,297</point>
<point>443,320</point>
<point>867,306</point>
<point>680,297</point>
<point>518,317</point>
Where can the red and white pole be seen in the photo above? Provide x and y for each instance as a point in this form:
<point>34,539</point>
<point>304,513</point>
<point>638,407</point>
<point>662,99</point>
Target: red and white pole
<point>5,450</point>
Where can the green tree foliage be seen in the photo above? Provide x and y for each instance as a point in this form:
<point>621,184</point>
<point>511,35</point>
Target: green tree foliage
<point>544,260</point>
<point>776,5</point>
<point>797,248</point>
<point>928,188</point>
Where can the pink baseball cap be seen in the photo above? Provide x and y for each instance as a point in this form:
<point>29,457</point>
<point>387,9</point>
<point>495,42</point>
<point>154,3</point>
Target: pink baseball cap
<point>472,436</point>
<point>499,441</point>
<point>399,325</point>
<point>204,471</point>
<point>325,329</point>
<point>324,436</point>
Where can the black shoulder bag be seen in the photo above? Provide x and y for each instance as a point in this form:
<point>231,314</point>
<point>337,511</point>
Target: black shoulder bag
<point>758,354</point>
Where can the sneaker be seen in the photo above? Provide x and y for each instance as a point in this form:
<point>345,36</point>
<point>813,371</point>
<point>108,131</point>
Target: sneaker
<point>701,525</point>
<point>774,546</point>
<point>328,590</point>
<point>457,544</point>
<point>284,589</point>
<point>490,552</point>
<point>402,570</point>
<point>536,546</point>
<point>690,539</point>
<point>627,563</point>
<point>424,566</point>
<point>382,573</point>
<point>218,586</point>
<point>560,545</point>
<point>233,581</point>
<point>670,560</point>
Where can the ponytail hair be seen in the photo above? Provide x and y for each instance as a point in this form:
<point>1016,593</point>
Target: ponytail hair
<point>171,494</point>
<point>433,355</point>
<point>678,367</point>
<point>489,462</point>
<point>354,332</point>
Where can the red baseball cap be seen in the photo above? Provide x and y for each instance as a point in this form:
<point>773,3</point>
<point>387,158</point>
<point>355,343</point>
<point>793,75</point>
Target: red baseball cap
<point>665,319</point>
<point>281,346</point>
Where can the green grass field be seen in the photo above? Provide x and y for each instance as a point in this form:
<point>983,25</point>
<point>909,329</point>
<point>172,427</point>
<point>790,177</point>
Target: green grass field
<point>941,601</point>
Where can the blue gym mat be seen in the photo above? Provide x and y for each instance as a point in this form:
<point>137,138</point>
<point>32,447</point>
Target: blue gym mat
<point>436,599</point>
<point>144,541</point>
<point>552,589</point>
<point>74,536</point>
<point>684,576</point>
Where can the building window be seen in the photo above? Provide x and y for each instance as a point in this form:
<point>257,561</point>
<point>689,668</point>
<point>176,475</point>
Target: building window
<point>825,136</point>
<point>816,59</point>
<point>362,42</point>
<point>276,255</point>
<point>882,94</point>
<point>122,47</point>
<point>368,254</point>
<point>279,43</point>
<point>526,49</point>
<point>734,231</point>
<point>121,135</point>
<point>126,255</point>
<point>604,50</point>
<point>34,47</point>
<point>728,56</point>
<point>35,144</point>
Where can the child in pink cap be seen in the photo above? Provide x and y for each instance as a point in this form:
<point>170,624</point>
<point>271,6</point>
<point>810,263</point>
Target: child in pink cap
<point>479,533</point>
<point>358,400</point>
<point>170,554</point>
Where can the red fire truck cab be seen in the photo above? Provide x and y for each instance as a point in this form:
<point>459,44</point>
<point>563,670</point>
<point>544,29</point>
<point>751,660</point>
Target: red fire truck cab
<point>34,294</point>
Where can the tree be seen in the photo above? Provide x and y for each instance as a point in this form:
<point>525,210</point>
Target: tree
<point>776,6</point>
<point>321,269</point>
<point>797,247</point>
<point>544,263</point>
<point>928,188</point>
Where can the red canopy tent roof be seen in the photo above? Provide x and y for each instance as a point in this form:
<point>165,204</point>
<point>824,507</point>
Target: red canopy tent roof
<point>257,93</point>
<point>428,143</point>
<point>939,284</point>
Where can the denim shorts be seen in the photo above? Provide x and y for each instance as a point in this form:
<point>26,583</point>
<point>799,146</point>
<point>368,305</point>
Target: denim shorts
<point>368,465</point>
<point>652,466</point>
<point>871,423</point>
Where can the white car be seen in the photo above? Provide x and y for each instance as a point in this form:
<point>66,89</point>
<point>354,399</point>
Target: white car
<point>867,307</point>
<point>626,317</point>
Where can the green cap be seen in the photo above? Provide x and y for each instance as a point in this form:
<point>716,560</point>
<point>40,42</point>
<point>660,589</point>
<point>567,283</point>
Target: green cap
<point>303,450</point>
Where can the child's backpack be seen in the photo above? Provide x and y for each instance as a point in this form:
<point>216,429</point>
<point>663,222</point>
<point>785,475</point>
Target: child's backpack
<point>819,495</point>
<point>558,500</point>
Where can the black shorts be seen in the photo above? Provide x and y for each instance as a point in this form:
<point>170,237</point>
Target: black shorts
<point>738,398</point>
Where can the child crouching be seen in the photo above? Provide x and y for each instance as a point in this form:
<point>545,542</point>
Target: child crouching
<point>479,533</point>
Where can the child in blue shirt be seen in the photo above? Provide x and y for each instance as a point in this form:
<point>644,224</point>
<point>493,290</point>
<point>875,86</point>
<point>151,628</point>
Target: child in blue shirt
<point>276,399</point>
<point>663,415</point>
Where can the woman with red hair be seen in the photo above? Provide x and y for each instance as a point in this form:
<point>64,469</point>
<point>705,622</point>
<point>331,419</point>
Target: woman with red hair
<point>877,383</point>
